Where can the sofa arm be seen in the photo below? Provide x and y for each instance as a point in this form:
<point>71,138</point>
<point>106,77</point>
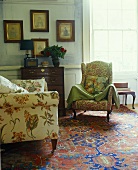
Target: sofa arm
<point>26,117</point>
<point>29,99</point>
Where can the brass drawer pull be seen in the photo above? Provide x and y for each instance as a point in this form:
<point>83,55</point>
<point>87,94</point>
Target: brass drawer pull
<point>42,70</point>
<point>31,72</point>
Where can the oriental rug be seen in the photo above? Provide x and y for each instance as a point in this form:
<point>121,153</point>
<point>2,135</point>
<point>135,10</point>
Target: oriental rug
<point>88,143</point>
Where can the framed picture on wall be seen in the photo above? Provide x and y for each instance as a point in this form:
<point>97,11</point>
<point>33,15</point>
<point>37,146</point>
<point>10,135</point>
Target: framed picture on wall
<point>65,30</point>
<point>39,45</point>
<point>39,20</point>
<point>13,31</point>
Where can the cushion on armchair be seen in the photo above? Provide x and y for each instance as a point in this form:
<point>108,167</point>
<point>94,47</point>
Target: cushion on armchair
<point>6,86</point>
<point>95,84</point>
<point>33,86</point>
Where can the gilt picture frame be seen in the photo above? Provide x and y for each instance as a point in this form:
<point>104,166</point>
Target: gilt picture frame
<point>65,30</point>
<point>39,20</point>
<point>13,31</point>
<point>39,45</point>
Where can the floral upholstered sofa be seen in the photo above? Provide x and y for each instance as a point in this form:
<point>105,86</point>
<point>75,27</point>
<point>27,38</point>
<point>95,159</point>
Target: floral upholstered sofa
<point>28,111</point>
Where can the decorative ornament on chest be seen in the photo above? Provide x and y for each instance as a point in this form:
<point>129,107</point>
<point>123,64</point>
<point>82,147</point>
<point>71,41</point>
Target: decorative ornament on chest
<point>55,52</point>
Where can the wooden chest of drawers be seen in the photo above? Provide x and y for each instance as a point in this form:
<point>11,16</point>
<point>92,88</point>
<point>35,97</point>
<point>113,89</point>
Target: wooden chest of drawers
<point>54,77</point>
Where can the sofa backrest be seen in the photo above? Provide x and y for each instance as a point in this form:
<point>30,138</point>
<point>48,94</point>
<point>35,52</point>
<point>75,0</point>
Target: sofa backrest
<point>33,86</point>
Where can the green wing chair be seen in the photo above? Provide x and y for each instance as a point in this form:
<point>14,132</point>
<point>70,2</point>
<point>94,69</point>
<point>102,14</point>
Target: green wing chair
<point>96,91</point>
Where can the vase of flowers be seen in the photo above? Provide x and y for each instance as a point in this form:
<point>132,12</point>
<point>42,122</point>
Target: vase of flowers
<point>55,52</point>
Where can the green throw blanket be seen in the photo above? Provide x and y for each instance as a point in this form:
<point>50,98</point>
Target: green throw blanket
<point>79,93</point>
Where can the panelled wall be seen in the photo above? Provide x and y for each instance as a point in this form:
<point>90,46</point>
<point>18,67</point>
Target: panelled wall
<point>11,58</point>
<point>10,53</point>
<point>73,76</point>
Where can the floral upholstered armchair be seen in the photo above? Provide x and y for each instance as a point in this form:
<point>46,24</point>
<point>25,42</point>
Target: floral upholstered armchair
<point>28,111</point>
<point>96,91</point>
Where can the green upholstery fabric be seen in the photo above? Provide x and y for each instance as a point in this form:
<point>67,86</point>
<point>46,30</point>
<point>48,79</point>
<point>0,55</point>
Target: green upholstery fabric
<point>96,91</point>
<point>78,92</point>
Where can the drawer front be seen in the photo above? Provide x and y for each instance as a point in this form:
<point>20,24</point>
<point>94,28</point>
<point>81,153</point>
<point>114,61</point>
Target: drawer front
<point>29,73</point>
<point>56,88</point>
<point>51,80</point>
<point>54,80</point>
<point>29,77</point>
<point>43,71</point>
<point>50,71</point>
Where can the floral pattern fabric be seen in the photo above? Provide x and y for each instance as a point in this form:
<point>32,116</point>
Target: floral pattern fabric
<point>95,84</point>
<point>6,86</point>
<point>96,68</point>
<point>96,76</point>
<point>38,85</point>
<point>103,105</point>
<point>30,116</point>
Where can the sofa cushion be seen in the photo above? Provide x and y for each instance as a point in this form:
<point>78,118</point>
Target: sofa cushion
<point>33,86</point>
<point>95,84</point>
<point>6,86</point>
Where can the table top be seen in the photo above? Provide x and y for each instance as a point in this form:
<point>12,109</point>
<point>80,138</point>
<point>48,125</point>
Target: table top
<point>127,92</point>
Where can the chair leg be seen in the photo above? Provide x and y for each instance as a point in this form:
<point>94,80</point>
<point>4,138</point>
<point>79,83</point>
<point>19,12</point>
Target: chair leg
<point>108,113</point>
<point>74,117</point>
<point>54,144</point>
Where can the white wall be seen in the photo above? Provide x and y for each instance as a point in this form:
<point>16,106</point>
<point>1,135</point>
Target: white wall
<point>58,10</point>
<point>72,76</point>
<point>11,58</point>
<point>132,79</point>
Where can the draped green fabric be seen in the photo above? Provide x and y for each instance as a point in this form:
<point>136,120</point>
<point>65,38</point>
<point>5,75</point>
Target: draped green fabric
<point>79,93</point>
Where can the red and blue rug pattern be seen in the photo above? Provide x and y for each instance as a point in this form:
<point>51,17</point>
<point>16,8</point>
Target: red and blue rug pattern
<point>88,143</point>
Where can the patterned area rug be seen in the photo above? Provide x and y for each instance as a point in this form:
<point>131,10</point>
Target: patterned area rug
<point>88,143</point>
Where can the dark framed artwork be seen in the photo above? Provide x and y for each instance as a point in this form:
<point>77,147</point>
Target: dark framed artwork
<point>39,20</point>
<point>13,31</point>
<point>39,45</point>
<point>65,30</point>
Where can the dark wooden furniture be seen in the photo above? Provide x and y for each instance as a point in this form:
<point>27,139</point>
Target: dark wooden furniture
<point>54,77</point>
<point>123,89</point>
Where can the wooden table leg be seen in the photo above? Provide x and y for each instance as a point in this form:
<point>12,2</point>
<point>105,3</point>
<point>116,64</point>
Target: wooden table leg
<point>125,99</point>
<point>132,93</point>
<point>133,102</point>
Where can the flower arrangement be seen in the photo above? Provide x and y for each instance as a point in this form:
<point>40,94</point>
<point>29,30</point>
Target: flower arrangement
<point>55,52</point>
